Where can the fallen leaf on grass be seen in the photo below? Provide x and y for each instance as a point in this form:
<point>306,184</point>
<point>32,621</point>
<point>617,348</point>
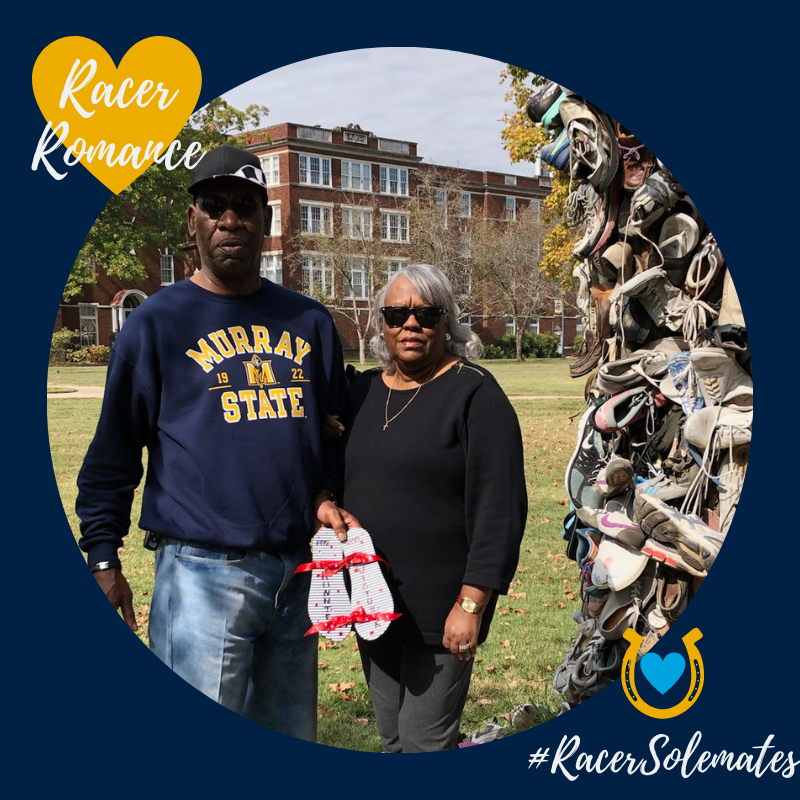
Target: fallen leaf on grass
<point>548,668</point>
<point>340,687</point>
<point>347,697</point>
<point>325,644</point>
<point>491,668</point>
<point>321,665</point>
<point>362,721</point>
<point>484,702</point>
<point>561,605</point>
<point>507,643</point>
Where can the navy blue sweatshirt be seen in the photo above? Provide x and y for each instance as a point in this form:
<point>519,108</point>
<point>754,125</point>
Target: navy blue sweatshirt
<point>228,393</point>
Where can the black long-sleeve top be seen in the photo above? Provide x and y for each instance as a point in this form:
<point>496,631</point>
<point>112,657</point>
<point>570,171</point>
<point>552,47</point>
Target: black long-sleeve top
<point>441,491</point>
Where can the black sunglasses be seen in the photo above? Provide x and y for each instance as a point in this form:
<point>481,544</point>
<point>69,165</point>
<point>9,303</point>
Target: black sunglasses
<point>427,316</point>
<point>215,206</point>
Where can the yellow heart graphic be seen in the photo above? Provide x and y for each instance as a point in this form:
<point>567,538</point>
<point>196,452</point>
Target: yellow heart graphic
<point>144,101</point>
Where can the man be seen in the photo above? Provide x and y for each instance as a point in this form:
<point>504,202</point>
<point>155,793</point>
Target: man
<point>226,379</point>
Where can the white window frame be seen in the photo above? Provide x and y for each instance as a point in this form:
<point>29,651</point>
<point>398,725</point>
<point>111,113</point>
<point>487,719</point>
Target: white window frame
<point>272,169</point>
<point>313,223</point>
<point>393,220</point>
<point>536,205</point>
<point>511,208</point>
<point>394,184</point>
<point>272,266</point>
<point>352,226</point>
<point>534,325</point>
<point>511,325</point>
<point>167,262</point>
<point>275,226</point>
<point>317,275</point>
<point>362,182</point>
<point>87,325</point>
<point>391,265</point>
<point>356,282</point>
<point>465,319</point>
<point>308,170</point>
<point>511,180</point>
<point>466,205</point>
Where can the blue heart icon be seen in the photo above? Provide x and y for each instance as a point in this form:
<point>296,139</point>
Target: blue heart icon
<point>663,675</point>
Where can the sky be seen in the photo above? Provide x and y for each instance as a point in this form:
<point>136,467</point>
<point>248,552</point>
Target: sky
<point>450,103</point>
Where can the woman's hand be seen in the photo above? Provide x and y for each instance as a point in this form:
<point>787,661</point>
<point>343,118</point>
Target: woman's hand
<point>461,627</point>
<point>461,633</point>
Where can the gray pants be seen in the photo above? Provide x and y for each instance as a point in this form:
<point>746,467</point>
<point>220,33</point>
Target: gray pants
<point>418,692</point>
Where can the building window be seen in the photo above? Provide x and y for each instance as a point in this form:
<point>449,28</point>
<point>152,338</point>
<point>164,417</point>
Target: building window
<point>466,205</point>
<point>317,134</point>
<point>167,270</point>
<point>535,325</point>
<point>394,227</point>
<point>465,245</point>
<point>356,223</point>
<point>275,227</point>
<point>315,171</point>
<point>356,176</point>
<point>511,180</point>
<point>391,266</point>
<point>394,181</point>
<point>272,267</point>
<point>465,319</point>
<point>511,207</point>
<point>465,284</point>
<point>536,207</point>
<point>271,169</point>
<point>317,277</point>
<point>315,219</point>
<point>511,325</point>
<point>355,283</point>
<point>88,324</point>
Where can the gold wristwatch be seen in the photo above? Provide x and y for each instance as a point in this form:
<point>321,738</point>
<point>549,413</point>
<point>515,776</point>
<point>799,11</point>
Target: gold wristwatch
<point>469,605</point>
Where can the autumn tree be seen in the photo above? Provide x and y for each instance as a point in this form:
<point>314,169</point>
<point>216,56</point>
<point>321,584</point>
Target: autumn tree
<point>524,141</point>
<point>506,257</point>
<point>151,212</point>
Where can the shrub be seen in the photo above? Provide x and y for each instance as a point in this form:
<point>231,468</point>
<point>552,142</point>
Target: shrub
<point>534,345</point>
<point>94,354</point>
<point>545,345</point>
<point>63,343</point>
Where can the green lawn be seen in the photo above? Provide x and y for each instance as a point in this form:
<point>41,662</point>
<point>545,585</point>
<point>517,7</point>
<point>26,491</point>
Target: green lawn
<point>533,625</point>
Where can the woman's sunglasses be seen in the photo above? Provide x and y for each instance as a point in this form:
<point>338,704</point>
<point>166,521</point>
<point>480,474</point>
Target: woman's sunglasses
<point>215,207</point>
<point>427,316</point>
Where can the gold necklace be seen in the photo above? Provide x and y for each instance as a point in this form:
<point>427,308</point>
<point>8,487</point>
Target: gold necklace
<point>389,395</point>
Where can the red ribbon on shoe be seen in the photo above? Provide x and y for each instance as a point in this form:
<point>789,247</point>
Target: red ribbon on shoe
<point>356,615</point>
<point>332,567</point>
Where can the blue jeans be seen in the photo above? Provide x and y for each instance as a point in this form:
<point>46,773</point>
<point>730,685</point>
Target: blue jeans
<point>232,623</point>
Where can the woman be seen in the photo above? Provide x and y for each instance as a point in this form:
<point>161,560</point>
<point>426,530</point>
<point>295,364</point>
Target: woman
<point>434,471</point>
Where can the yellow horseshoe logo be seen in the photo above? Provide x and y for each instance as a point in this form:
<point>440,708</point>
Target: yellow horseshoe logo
<point>629,685</point>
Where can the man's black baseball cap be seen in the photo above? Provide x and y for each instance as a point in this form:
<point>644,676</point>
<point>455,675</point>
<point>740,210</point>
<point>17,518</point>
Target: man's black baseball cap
<point>226,161</point>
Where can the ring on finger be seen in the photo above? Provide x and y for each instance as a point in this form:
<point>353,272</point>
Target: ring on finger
<point>464,647</point>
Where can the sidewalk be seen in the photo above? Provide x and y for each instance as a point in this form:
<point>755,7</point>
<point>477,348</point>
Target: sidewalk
<point>75,391</point>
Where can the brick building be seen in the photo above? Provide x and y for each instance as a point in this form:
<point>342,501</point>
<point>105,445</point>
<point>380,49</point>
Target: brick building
<point>318,179</point>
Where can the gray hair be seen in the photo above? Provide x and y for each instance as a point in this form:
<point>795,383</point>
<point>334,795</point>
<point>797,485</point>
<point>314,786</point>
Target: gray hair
<point>433,287</point>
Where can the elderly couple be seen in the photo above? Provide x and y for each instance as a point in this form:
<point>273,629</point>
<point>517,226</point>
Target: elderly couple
<point>230,382</point>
